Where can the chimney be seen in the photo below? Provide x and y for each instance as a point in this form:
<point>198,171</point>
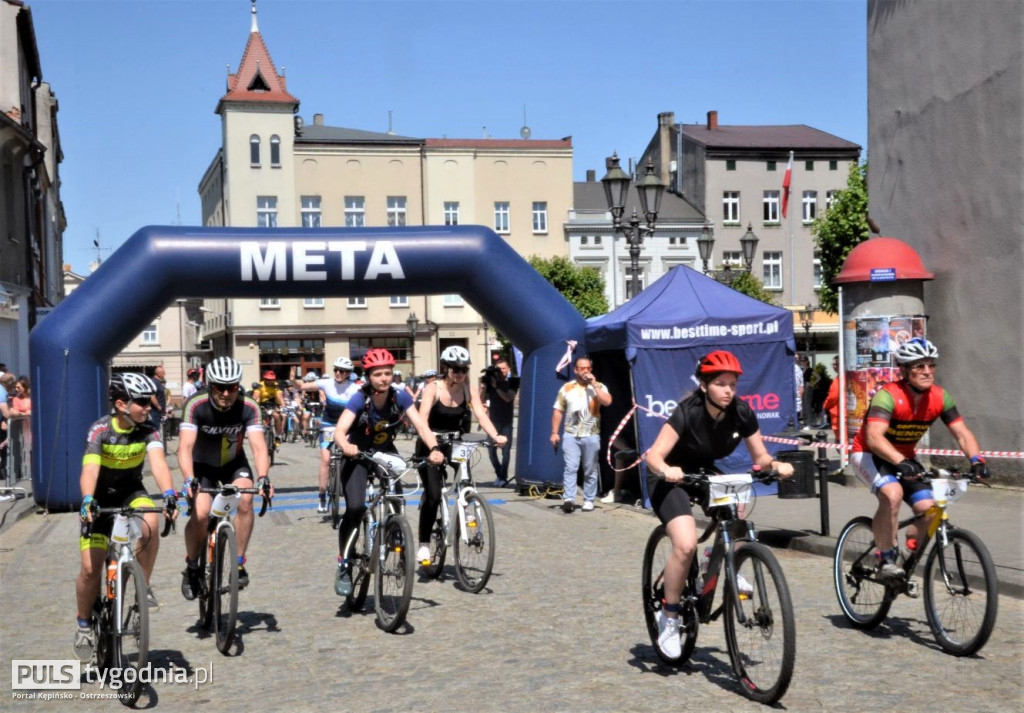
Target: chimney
<point>712,120</point>
<point>318,119</point>
<point>591,175</point>
<point>666,120</point>
<point>67,267</point>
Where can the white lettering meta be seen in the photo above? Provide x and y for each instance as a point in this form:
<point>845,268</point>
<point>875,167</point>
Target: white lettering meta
<point>269,261</point>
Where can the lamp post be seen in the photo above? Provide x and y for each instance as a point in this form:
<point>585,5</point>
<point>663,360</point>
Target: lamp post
<point>807,319</point>
<point>748,243</point>
<point>181,341</point>
<point>705,244</point>
<point>412,322</point>
<point>649,191</point>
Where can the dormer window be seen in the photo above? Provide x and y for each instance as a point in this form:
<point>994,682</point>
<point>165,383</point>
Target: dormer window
<point>254,151</point>
<point>258,84</point>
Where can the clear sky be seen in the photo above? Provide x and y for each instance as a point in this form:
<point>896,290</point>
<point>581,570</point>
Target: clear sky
<point>138,80</point>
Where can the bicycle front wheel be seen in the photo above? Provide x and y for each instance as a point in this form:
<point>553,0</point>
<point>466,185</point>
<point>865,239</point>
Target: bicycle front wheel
<point>865,601</point>
<point>395,569</point>
<point>656,554</point>
<point>960,593</point>
<point>131,635</point>
<point>225,589</point>
<point>474,558</point>
<point>759,627</point>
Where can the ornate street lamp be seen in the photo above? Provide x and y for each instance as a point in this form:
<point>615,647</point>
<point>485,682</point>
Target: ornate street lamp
<point>705,244</point>
<point>807,319</point>
<point>649,191</point>
<point>412,322</point>
<point>749,244</point>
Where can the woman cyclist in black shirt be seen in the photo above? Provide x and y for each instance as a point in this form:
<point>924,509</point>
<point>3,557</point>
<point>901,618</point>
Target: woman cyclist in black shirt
<point>706,426</point>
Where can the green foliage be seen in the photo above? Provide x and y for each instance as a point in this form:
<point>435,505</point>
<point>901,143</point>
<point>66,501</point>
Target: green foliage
<point>749,285</point>
<point>582,286</point>
<point>840,230</point>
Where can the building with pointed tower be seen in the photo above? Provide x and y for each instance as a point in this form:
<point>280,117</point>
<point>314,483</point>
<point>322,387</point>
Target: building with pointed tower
<point>275,170</point>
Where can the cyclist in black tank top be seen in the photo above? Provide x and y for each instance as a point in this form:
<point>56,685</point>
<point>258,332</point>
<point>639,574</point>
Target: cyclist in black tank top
<point>444,403</point>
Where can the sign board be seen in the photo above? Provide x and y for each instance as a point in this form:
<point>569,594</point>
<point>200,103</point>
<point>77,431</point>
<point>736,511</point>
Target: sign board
<point>883,274</point>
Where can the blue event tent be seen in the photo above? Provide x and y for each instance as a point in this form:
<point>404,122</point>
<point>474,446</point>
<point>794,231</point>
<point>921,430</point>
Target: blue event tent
<point>663,331</point>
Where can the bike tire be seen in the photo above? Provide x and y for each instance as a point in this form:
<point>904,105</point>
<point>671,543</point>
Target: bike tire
<point>474,559</point>
<point>865,600</point>
<point>394,572</point>
<point>131,633</point>
<point>961,593</point>
<point>763,649</point>
<point>656,554</point>
<point>334,493</point>
<point>438,547</point>
<point>225,589</point>
<point>206,586</point>
<point>359,566</point>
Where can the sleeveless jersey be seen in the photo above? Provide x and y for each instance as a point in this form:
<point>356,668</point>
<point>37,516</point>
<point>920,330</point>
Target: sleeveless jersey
<point>119,454</point>
<point>221,434</point>
<point>447,418</point>
<point>893,404</point>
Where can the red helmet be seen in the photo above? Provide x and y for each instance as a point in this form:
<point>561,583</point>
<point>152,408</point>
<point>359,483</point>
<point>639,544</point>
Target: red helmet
<point>717,362</point>
<point>269,374</point>
<point>378,357</point>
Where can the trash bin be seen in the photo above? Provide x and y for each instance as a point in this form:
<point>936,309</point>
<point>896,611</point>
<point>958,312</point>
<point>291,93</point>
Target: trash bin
<point>801,485</point>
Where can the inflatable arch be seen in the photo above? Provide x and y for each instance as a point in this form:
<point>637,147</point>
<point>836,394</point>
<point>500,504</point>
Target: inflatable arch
<point>71,348</point>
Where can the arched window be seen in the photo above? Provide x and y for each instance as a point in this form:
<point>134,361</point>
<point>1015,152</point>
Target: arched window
<point>254,150</point>
<point>275,150</point>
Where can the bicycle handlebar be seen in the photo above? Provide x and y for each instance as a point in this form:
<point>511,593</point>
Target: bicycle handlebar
<point>233,490</point>
<point>129,511</point>
<point>762,476</point>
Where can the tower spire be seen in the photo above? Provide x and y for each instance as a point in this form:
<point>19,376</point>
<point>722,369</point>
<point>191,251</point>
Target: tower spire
<point>255,27</point>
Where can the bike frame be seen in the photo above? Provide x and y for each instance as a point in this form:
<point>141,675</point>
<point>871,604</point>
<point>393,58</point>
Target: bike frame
<point>462,485</point>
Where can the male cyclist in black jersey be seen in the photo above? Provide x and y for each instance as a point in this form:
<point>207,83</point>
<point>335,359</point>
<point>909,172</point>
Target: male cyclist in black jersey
<point>115,450</point>
<point>210,453</point>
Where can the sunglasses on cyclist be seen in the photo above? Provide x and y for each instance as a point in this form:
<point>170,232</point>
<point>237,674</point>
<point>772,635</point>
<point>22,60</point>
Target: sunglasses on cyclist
<point>142,402</point>
<point>225,388</point>
<point>460,369</point>
<point>341,371</point>
<point>921,367</point>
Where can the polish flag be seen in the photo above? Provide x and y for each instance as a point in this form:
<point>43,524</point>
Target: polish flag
<point>785,185</point>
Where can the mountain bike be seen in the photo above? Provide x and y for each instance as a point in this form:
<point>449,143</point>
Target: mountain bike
<point>961,591</point>
<point>218,561</point>
<point>121,612</point>
<point>334,489</point>
<point>760,632</point>
<point>381,546</point>
<point>313,428</point>
<point>467,525</point>
<point>291,425</point>
<point>267,414</point>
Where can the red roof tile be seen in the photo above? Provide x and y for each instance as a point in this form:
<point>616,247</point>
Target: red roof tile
<point>257,63</point>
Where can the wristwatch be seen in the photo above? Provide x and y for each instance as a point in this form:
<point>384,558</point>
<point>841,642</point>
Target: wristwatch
<point>436,448</point>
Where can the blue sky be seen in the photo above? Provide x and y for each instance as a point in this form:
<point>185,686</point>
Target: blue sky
<point>138,80</point>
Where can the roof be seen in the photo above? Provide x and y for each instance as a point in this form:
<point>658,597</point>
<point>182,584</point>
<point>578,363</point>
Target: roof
<point>589,195</point>
<point>882,259</point>
<point>565,143</point>
<point>257,79</point>
<point>785,137</point>
<point>316,133</point>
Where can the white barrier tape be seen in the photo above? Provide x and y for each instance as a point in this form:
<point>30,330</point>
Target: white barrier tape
<point>919,451</point>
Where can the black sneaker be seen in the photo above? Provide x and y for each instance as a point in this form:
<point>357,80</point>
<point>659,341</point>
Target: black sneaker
<point>567,506</point>
<point>243,578</point>
<point>342,581</point>
<point>191,582</point>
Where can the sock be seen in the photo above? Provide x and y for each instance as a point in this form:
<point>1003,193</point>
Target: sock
<point>84,623</point>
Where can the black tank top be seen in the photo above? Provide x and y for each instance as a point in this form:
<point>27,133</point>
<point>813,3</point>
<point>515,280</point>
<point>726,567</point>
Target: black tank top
<point>447,418</point>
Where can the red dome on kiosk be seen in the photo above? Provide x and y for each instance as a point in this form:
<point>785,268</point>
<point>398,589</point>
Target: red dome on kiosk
<point>869,261</point>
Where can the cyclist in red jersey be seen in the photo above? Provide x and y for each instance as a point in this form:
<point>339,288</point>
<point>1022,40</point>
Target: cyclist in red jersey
<point>883,450</point>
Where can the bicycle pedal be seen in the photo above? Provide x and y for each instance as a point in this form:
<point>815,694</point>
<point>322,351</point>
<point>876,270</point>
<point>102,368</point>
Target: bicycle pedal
<point>912,589</point>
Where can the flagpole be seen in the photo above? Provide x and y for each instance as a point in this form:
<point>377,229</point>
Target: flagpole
<point>792,258</point>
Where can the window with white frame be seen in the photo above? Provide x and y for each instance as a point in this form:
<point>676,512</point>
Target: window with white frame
<point>275,151</point>
<point>254,151</point>
<point>731,206</point>
<point>398,301</point>
<point>310,211</point>
<point>313,302</point>
<point>732,258</point>
<point>270,303</point>
<point>266,211</point>
<point>451,212</point>
<point>453,301</point>
<point>501,217</point>
<point>771,207</point>
<point>810,205</point>
<point>772,262</point>
<point>150,335</point>
<point>627,275</point>
<point>356,303</point>
<point>396,210</point>
<point>540,216</point>
<point>817,269</point>
<point>830,198</point>
<point>355,212</point>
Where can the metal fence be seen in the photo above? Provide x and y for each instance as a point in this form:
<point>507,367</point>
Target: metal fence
<point>17,450</point>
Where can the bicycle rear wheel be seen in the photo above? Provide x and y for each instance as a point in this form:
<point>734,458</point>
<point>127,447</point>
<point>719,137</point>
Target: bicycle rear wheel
<point>438,547</point>
<point>225,589</point>
<point>394,580</point>
<point>865,601</point>
<point>359,566</point>
<point>961,593</point>
<point>131,635</point>
<point>763,645</point>
<point>474,558</point>
<point>656,555</point>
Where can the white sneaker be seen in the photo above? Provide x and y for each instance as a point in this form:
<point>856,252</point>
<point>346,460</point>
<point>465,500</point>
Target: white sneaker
<point>588,505</point>
<point>746,589</point>
<point>668,636</point>
<point>423,555</point>
<point>610,498</point>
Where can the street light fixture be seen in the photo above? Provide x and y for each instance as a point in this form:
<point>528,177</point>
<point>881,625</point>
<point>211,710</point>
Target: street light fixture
<point>705,244</point>
<point>649,191</point>
<point>412,322</point>
<point>807,319</point>
<point>749,245</point>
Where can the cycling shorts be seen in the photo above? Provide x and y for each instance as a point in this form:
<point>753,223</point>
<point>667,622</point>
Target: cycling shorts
<point>326,435</point>
<point>103,525</point>
<point>669,500</point>
<point>877,473</point>
<point>212,476</point>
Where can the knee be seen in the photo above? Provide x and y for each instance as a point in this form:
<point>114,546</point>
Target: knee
<point>355,513</point>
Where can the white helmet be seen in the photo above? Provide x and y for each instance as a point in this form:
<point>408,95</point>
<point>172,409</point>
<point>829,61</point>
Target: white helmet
<point>310,376</point>
<point>396,372</point>
<point>916,350</point>
<point>455,355</point>
<point>128,386</point>
<point>224,370</point>
<point>343,363</point>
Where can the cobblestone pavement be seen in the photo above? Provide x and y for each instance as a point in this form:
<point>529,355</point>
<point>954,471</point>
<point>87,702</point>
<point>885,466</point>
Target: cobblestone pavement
<point>559,626</point>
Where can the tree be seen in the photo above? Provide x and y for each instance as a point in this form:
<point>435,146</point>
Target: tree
<point>749,285</point>
<point>843,226</point>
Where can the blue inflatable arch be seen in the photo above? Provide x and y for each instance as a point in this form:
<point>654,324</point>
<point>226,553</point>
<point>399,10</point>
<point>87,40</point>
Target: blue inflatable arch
<point>70,350</point>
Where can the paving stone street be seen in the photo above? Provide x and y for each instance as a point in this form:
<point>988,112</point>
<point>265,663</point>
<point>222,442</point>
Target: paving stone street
<point>559,626</point>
